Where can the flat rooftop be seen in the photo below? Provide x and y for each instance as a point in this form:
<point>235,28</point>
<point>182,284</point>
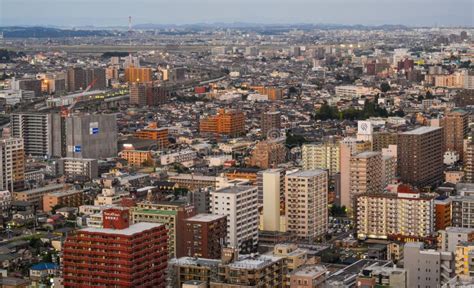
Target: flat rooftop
<point>307,173</point>
<point>236,189</point>
<point>205,217</point>
<point>367,154</point>
<point>131,230</point>
<point>421,130</point>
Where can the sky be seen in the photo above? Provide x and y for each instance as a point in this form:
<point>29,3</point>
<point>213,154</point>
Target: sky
<point>70,13</point>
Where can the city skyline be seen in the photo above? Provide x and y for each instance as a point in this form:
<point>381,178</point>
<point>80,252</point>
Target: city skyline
<point>365,12</point>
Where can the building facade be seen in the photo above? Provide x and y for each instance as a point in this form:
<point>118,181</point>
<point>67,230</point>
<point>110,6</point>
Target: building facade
<point>420,156</point>
<point>117,255</point>
<point>306,196</point>
<point>240,205</point>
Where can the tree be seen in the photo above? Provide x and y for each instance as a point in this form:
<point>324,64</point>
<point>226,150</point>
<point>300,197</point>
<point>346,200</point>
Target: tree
<point>337,211</point>
<point>384,87</point>
<point>429,95</point>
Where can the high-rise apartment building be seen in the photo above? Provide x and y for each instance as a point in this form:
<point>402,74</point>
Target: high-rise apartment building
<point>153,132</point>
<point>463,206</point>
<point>426,267</point>
<point>306,196</point>
<point>420,156</point>
<point>138,94</point>
<point>12,168</point>
<point>91,136</point>
<point>455,130</point>
<point>79,78</point>
<point>348,148</point>
<point>226,122</point>
<point>240,205</point>
<point>272,186</point>
<point>138,75</point>
<point>322,156</point>
<point>147,94</point>
<point>404,215</point>
<point>39,131</point>
<point>469,161</point>
<point>205,235</point>
<point>270,124</point>
<point>172,215</point>
<point>268,154</point>
<point>117,255</point>
<point>366,174</point>
<point>381,140</point>
<point>449,238</point>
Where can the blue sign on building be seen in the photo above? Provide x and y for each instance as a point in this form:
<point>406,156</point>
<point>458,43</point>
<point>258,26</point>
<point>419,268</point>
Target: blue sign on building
<point>77,148</point>
<point>94,131</point>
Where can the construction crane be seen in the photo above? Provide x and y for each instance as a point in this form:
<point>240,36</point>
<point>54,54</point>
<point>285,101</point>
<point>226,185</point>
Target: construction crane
<point>65,111</point>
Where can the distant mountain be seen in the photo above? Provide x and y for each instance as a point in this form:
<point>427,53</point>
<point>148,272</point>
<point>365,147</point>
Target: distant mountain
<point>48,32</point>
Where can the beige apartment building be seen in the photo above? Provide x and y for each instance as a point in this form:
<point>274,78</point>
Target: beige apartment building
<point>404,215</point>
<point>348,148</point>
<point>306,196</point>
<point>366,174</point>
<point>322,156</point>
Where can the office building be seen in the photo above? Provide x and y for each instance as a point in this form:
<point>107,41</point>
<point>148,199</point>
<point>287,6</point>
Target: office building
<point>78,167</point>
<point>270,124</point>
<point>322,156</point>
<point>306,196</point>
<point>239,203</point>
<point>420,156</point>
<point>12,159</point>
<point>136,255</point>
<point>403,216</point>
<point>91,136</point>
<point>268,154</point>
<point>366,174</point>
<point>172,215</point>
<point>426,267</point>
<point>138,75</point>
<point>449,238</point>
<point>348,148</point>
<point>71,198</point>
<point>205,235</point>
<point>227,122</point>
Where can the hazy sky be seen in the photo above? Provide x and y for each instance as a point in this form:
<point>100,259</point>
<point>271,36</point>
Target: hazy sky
<point>116,12</point>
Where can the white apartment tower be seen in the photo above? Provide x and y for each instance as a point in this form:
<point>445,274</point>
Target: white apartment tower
<point>239,203</point>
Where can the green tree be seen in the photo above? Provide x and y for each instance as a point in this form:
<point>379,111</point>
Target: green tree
<point>384,87</point>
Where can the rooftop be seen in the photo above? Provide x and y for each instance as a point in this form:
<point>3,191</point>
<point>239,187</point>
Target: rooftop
<point>205,217</point>
<point>421,130</point>
<point>131,230</point>
<point>307,173</point>
<point>236,189</point>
